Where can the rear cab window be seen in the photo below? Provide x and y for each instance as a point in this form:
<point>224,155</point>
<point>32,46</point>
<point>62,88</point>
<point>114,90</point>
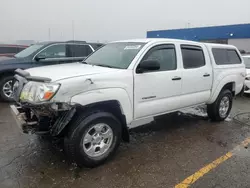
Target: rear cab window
<point>192,56</point>
<point>223,56</point>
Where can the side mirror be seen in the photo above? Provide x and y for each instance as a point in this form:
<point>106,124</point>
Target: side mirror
<point>40,57</point>
<point>148,65</point>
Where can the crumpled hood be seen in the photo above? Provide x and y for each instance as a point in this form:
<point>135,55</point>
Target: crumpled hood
<point>64,71</point>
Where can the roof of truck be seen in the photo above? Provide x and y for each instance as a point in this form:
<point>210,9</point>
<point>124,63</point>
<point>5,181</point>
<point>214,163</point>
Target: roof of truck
<point>214,45</point>
<point>147,40</point>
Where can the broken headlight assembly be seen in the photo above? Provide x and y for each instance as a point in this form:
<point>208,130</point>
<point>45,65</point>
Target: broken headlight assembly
<point>38,92</point>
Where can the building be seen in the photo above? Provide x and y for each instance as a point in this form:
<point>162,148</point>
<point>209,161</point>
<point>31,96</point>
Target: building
<point>238,35</point>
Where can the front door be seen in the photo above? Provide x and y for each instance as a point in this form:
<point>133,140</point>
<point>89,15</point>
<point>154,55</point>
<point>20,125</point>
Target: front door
<point>51,55</point>
<point>157,92</point>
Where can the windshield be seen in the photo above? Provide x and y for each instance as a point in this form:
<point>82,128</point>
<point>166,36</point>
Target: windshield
<point>247,62</point>
<point>115,55</point>
<point>28,51</point>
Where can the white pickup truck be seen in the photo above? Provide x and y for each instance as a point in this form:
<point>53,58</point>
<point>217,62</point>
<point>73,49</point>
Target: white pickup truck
<point>92,104</point>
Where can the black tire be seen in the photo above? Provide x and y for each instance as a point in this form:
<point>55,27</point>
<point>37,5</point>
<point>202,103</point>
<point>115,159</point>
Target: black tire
<point>213,109</point>
<point>79,127</point>
<point>4,80</point>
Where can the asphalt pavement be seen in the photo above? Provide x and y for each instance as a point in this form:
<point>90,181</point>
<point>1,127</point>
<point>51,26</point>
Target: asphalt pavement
<point>160,154</point>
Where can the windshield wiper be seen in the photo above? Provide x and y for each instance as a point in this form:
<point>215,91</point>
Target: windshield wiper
<point>84,62</point>
<point>102,65</point>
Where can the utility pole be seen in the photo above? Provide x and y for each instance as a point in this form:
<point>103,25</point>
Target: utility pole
<point>49,34</point>
<point>61,35</point>
<point>73,30</point>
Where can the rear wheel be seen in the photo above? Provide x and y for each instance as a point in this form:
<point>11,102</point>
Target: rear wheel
<point>93,139</point>
<point>220,109</point>
<point>6,88</point>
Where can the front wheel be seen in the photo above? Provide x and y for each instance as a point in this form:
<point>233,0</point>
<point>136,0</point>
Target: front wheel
<point>93,139</point>
<point>6,88</point>
<point>220,109</point>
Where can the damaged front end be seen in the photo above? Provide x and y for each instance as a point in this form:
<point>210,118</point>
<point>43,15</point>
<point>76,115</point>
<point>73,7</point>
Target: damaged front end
<point>43,117</point>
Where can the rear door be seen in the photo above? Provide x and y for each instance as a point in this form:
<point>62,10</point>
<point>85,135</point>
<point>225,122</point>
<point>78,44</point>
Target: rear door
<point>158,91</point>
<point>196,74</point>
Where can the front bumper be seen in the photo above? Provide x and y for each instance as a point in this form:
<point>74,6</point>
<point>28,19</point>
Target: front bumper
<point>20,116</point>
<point>42,120</point>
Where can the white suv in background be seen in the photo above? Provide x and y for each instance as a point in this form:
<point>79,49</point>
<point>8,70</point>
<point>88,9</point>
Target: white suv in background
<point>247,81</point>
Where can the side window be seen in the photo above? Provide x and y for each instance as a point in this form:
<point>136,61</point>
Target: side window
<point>20,49</point>
<point>192,56</point>
<point>220,56</point>
<point>233,57</point>
<point>165,55</point>
<point>15,50</point>
<point>54,51</point>
<point>8,50</point>
<point>226,56</point>
<point>79,50</point>
<point>4,50</point>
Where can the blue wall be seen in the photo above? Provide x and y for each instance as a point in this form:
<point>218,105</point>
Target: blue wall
<point>204,33</point>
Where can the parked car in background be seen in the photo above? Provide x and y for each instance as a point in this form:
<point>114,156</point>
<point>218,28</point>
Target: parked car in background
<point>93,103</point>
<point>42,54</point>
<point>247,80</point>
<point>9,50</point>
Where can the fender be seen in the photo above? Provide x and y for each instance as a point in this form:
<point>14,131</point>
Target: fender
<point>219,84</point>
<point>108,94</point>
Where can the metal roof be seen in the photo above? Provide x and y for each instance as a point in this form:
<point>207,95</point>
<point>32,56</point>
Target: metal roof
<point>70,41</point>
<point>204,33</point>
<point>147,40</point>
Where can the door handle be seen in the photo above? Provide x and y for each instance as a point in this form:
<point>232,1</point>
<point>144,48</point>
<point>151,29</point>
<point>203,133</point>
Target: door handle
<point>206,75</point>
<point>176,78</point>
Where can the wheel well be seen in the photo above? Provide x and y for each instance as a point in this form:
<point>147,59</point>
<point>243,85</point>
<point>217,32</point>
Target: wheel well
<point>230,86</point>
<point>112,107</point>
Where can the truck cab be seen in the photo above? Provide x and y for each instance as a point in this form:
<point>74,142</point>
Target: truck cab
<point>92,104</point>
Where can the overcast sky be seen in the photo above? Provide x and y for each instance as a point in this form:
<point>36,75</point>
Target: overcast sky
<point>106,20</point>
